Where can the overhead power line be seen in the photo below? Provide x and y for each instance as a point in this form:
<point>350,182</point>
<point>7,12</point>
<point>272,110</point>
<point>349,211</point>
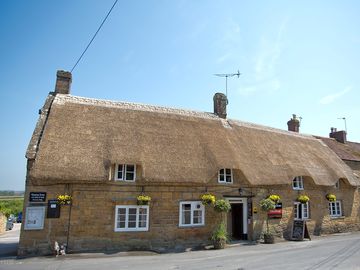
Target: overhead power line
<point>87,47</point>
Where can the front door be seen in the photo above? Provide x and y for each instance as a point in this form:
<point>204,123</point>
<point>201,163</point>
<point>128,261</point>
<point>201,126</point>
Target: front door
<point>237,221</point>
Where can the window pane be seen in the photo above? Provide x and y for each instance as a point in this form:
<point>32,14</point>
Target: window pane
<point>296,210</point>
<point>221,171</point>
<point>197,217</point>
<point>186,213</point>
<point>305,211</point>
<point>142,217</point>
<point>130,176</point>
<point>130,168</point>
<point>186,207</point>
<point>120,171</point>
<point>228,178</point>
<point>121,224</point>
<point>228,171</point>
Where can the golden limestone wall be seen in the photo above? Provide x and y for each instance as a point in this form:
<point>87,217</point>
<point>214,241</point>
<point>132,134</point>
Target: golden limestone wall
<point>93,214</point>
<point>2,223</point>
<point>320,221</point>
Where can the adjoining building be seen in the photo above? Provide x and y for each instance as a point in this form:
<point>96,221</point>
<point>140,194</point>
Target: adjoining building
<point>105,153</point>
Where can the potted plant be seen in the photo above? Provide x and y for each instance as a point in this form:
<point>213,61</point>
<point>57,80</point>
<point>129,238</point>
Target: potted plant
<point>222,206</point>
<point>331,197</point>
<point>303,199</point>
<point>64,199</point>
<point>207,199</point>
<point>275,198</point>
<point>143,199</point>
<point>266,205</point>
<point>220,236</point>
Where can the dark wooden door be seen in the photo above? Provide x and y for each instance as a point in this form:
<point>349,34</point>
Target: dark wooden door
<point>237,221</point>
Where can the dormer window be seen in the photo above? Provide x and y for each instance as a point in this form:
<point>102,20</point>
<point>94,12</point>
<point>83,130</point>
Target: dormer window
<point>298,183</point>
<point>125,172</point>
<point>225,176</point>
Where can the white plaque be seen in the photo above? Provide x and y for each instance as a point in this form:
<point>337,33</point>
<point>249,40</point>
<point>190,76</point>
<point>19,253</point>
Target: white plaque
<point>35,218</point>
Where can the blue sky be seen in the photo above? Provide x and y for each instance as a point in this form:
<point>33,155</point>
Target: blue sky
<point>297,57</point>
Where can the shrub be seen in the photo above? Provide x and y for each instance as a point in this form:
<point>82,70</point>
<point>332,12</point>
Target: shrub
<point>222,206</point>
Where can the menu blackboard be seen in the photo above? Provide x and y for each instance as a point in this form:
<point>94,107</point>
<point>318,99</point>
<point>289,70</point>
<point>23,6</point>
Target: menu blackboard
<point>298,230</point>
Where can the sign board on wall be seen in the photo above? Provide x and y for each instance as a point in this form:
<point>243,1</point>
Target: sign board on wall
<point>53,209</point>
<point>37,197</point>
<point>277,212</point>
<point>34,218</point>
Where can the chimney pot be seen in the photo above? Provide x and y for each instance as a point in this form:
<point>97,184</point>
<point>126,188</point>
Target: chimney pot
<point>293,124</point>
<point>220,102</point>
<point>63,82</point>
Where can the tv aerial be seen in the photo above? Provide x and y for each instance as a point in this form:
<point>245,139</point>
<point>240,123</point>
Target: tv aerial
<point>344,118</point>
<point>226,77</point>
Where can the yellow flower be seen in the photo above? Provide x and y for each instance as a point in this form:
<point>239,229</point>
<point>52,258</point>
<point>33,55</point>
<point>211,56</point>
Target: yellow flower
<point>274,197</point>
<point>208,199</point>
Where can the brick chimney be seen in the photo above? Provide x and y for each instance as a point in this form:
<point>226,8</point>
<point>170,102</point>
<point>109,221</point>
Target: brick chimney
<point>220,102</point>
<point>293,124</point>
<point>340,136</point>
<point>63,82</point>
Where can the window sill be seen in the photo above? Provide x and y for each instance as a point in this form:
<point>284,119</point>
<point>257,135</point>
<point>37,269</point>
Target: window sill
<point>191,226</point>
<point>337,217</point>
<point>226,183</point>
<point>137,230</point>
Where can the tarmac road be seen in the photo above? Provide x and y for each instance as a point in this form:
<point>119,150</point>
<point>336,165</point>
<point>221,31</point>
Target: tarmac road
<point>331,252</point>
<point>9,241</point>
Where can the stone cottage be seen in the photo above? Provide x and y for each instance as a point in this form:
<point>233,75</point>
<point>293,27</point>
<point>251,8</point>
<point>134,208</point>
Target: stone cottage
<point>106,153</point>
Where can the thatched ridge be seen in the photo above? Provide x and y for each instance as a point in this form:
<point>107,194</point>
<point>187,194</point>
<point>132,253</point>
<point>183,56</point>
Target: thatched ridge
<point>83,137</point>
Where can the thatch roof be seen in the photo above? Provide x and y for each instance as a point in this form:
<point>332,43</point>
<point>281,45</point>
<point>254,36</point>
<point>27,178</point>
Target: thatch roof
<point>82,137</point>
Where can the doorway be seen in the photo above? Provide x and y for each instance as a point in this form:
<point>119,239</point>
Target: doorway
<point>237,219</point>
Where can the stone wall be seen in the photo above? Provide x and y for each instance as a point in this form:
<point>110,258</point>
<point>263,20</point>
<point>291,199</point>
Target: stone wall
<point>90,226</point>
<point>2,223</point>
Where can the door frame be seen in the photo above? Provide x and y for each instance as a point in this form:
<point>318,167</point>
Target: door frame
<point>244,201</point>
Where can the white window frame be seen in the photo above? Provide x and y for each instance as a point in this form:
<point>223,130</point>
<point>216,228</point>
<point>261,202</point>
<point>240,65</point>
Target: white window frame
<point>298,183</point>
<point>124,171</point>
<point>305,211</point>
<point>335,209</point>
<point>137,228</point>
<point>225,176</point>
<point>193,207</point>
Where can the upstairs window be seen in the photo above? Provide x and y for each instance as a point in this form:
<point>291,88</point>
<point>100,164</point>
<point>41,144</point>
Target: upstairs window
<point>225,176</point>
<point>301,211</point>
<point>335,209</point>
<point>125,172</point>
<point>298,183</point>
<point>191,214</point>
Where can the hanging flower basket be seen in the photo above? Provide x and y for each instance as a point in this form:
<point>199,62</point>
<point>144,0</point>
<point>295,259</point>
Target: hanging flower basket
<point>207,199</point>
<point>64,199</point>
<point>143,200</point>
<point>331,197</point>
<point>222,206</point>
<point>303,199</point>
<point>275,198</point>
